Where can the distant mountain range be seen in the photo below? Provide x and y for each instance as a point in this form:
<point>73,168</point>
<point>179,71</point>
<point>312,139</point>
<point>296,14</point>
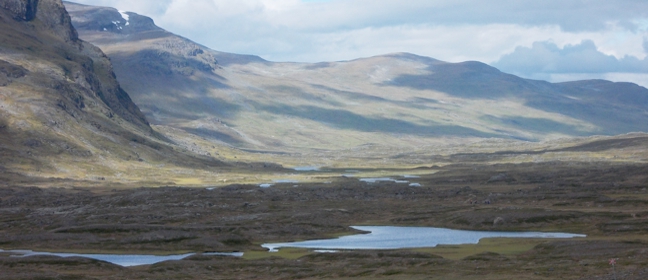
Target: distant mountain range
<point>396,99</point>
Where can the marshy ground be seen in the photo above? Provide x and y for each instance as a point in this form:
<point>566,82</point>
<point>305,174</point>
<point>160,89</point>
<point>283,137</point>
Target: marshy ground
<point>606,201</point>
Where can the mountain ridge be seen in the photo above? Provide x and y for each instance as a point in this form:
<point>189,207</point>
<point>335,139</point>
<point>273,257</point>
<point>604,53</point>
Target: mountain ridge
<point>398,99</point>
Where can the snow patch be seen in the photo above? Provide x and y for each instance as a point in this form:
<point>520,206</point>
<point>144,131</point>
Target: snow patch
<point>116,23</point>
<point>125,16</point>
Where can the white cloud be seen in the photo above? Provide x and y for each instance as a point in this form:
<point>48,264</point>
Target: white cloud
<point>450,30</point>
<point>547,61</point>
<point>546,57</point>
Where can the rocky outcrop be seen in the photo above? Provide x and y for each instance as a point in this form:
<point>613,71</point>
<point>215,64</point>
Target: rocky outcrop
<point>9,71</point>
<point>21,9</point>
<point>59,98</point>
<point>51,13</point>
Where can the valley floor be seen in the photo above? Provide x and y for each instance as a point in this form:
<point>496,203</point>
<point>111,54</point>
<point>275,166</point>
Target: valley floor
<point>607,201</point>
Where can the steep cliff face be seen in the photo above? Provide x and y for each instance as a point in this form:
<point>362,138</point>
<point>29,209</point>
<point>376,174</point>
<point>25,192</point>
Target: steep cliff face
<point>50,13</point>
<point>46,26</point>
<point>62,111</point>
<point>21,9</point>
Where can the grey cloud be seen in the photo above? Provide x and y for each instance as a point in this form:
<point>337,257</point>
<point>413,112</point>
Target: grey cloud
<point>572,16</point>
<point>546,57</point>
<point>645,45</point>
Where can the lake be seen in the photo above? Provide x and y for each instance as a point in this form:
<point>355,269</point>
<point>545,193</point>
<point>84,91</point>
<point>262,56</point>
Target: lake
<point>388,237</point>
<point>122,260</point>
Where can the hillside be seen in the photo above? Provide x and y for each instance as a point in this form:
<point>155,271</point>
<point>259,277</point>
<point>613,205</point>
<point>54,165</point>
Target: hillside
<point>62,112</point>
<point>394,100</point>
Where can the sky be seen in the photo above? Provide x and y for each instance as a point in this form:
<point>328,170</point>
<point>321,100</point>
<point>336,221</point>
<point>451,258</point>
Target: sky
<point>555,40</point>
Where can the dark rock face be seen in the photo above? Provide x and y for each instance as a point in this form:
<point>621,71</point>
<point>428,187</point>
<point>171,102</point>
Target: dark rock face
<point>21,9</point>
<point>9,72</point>
<point>50,12</point>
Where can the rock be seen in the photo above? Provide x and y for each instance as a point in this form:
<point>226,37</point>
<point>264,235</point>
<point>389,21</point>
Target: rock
<point>53,15</point>
<point>50,13</point>
<point>21,9</point>
<point>11,70</point>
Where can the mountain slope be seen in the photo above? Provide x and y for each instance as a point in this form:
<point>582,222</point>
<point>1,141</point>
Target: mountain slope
<point>395,100</point>
<point>62,112</point>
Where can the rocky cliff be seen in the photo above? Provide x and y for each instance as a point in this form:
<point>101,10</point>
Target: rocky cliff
<point>50,13</point>
<point>62,111</point>
<point>21,9</point>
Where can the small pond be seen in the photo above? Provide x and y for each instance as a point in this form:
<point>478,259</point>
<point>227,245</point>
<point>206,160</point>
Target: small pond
<point>377,180</point>
<point>387,237</point>
<point>122,260</point>
<point>278,181</point>
<point>285,181</point>
<point>307,168</point>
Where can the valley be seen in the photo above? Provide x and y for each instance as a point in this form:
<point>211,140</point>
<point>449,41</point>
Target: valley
<point>119,137</point>
<point>605,201</point>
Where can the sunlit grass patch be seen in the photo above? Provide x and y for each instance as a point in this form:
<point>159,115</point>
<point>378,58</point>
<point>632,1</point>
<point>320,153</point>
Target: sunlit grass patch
<point>188,181</point>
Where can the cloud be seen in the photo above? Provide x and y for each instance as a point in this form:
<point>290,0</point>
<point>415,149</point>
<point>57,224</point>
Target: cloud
<point>551,39</point>
<point>547,57</point>
<point>577,15</point>
<point>151,8</point>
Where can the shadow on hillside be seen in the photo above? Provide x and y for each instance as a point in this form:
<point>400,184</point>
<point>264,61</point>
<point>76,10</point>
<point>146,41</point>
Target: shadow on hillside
<point>348,120</point>
<point>213,134</point>
<point>190,108</point>
<point>470,79</point>
<point>359,97</point>
<point>302,94</point>
<point>537,125</point>
<point>615,108</point>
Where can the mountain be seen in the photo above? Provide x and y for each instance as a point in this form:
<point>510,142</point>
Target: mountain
<point>63,114</point>
<point>397,100</point>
